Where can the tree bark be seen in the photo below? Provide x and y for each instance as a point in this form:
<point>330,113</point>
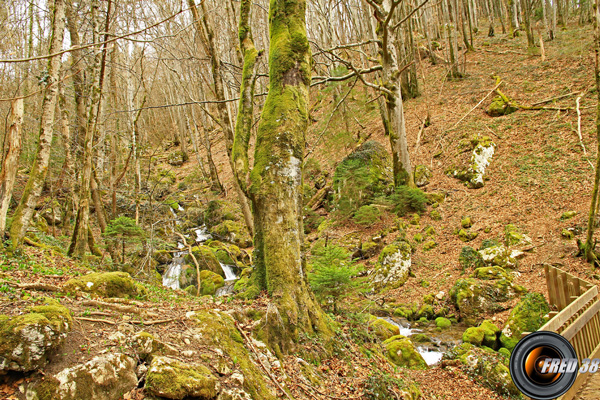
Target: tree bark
<point>39,170</point>
<point>205,30</point>
<point>10,164</point>
<point>276,180</point>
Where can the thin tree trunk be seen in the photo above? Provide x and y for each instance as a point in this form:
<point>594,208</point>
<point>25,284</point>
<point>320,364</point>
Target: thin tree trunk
<point>205,30</point>
<point>10,164</point>
<point>39,170</point>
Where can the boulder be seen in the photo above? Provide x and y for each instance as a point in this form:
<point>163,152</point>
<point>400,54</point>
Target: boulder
<point>474,297</point>
<point>363,175</point>
<point>498,255</point>
<point>515,238</point>
<point>382,328</point>
<point>442,322</point>
<point>207,260</point>
<point>27,340</point>
<point>106,377</point>
<point>489,367</point>
<point>210,282</point>
<point>401,351</point>
<point>393,266</point>
<point>485,334</point>
<point>177,158</point>
<point>527,316</point>
<point>147,346</point>
<point>218,211</point>
<point>233,232</point>
<point>162,257</point>
<point>106,284</point>
<point>173,379</point>
<point>422,175</point>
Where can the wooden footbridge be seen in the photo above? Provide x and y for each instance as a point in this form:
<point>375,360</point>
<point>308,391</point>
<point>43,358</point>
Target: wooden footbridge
<point>578,320</point>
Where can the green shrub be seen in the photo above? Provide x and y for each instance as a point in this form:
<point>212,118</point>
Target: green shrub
<point>367,215</point>
<point>332,273</point>
<point>405,200</point>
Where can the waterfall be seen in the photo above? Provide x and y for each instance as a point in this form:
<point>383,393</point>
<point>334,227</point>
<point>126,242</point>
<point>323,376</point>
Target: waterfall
<point>229,274</point>
<point>171,276</point>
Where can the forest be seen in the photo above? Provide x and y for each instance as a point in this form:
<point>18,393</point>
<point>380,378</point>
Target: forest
<point>291,199</point>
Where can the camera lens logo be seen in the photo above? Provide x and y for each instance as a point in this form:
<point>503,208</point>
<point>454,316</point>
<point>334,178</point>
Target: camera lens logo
<point>544,365</point>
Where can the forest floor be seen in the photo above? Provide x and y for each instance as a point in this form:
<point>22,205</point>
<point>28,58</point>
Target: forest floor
<point>538,172</point>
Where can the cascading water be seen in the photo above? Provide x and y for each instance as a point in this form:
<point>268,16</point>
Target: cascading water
<point>173,271</point>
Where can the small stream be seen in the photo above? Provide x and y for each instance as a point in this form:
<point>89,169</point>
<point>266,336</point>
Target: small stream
<point>173,271</point>
<point>441,341</point>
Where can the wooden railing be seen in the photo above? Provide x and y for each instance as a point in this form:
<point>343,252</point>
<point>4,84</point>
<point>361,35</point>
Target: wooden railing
<point>577,318</point>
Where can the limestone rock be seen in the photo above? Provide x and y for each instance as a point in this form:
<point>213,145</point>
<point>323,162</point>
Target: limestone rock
<point>173,379</point>
<point>401,351</point>
<point>382,328</point>
<point>106,284</point>
<point>146,345</point>
<point>394,264</point>
<point>498,255</point>
<point>106,377</point>
<point>27,340</point>
<point>422,175</point>
<point>527,316</point>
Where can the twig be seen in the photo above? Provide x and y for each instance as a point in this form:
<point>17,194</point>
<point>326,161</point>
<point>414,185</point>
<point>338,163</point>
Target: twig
<point>579,124</point>
<point>419,137</point>
<point>158,321</point>
<point>96,320</point>
<point>289,396</point>
<point>539,103</point>
<point>478,104</point>
<point>34,286</point>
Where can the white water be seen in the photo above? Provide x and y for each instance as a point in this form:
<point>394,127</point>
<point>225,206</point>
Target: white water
<point>202,234</point>
<point>171,276</point>
<point>431,356</point>
<point>229,274</point>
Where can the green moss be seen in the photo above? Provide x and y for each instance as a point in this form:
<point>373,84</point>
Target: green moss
<point>435,215</point>
<point>422,175</point>
<point>233,232</point>
<point>415,220</point>
<point>218,211</point>
<point>418,238</point>
<point>473,335</point>
<point>401,351</point>
<point>171,378</point>
<point>429,245</point>
<point>217,330</point>
<point>367,215</point>
<point>469,258</point>
<point>420,338</point>
<point>527,316</point>
<point>430,231</point>
<point>466,222</point>
<point>206,258</point>
<point>491,273</point>
<point>382,328</point>
<point>467,236</point>
<point>405,312</point>
<point>426,311</point>
<point>210,282</point>
<point>442,322</point>
<point>106,284</point>
<point>568,215</point>
<point>567,234</point>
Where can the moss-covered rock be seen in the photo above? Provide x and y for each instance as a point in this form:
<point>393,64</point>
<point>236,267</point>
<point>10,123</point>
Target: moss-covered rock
<point>393,266</point>
<point>473,335</point>
<point>408,312</point>
<point>442,322</point>
<point>401,351</point>
<point>163,256</point>
<point>177,158</point>
<point>474,297</point>
<point>422,175</point>
<point>568,215</point>
<point>488,366</point>
<point>244,287</point>
<point>206,258</point>
<point>233,232</point>
<point>27,340</point>
<point>467,236</point>
<point>430,231</point>
<point>363,175</point>
<point>106,284</point>
<point>217,330</point>
<point>173,379</point>
<point>218,211</point>
<point>429,245</point>
<point>382,328</point>
<point>498,107</point>
<point>567,234</point>
<point>527,316</point>
<point>210,282</point>
<point>485,334</point>
<point>469,258</point>
<point>435,215</point>
<point>465,222</point>
<point>498,255</point>
<point>107,377</point>
<point>420,338</point>
<point>515,238</point>
<point>491,273</point>
<point>369,249</point>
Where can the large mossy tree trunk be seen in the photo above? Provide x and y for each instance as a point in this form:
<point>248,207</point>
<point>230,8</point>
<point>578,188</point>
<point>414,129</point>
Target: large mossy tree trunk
<point>39,170</point>
<point>10,164</point>
<point>275,182</point>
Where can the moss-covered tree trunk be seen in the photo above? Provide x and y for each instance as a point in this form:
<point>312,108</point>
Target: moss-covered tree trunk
<point>39,170</point>
<point>10,164</point>
<point>275,182</point>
